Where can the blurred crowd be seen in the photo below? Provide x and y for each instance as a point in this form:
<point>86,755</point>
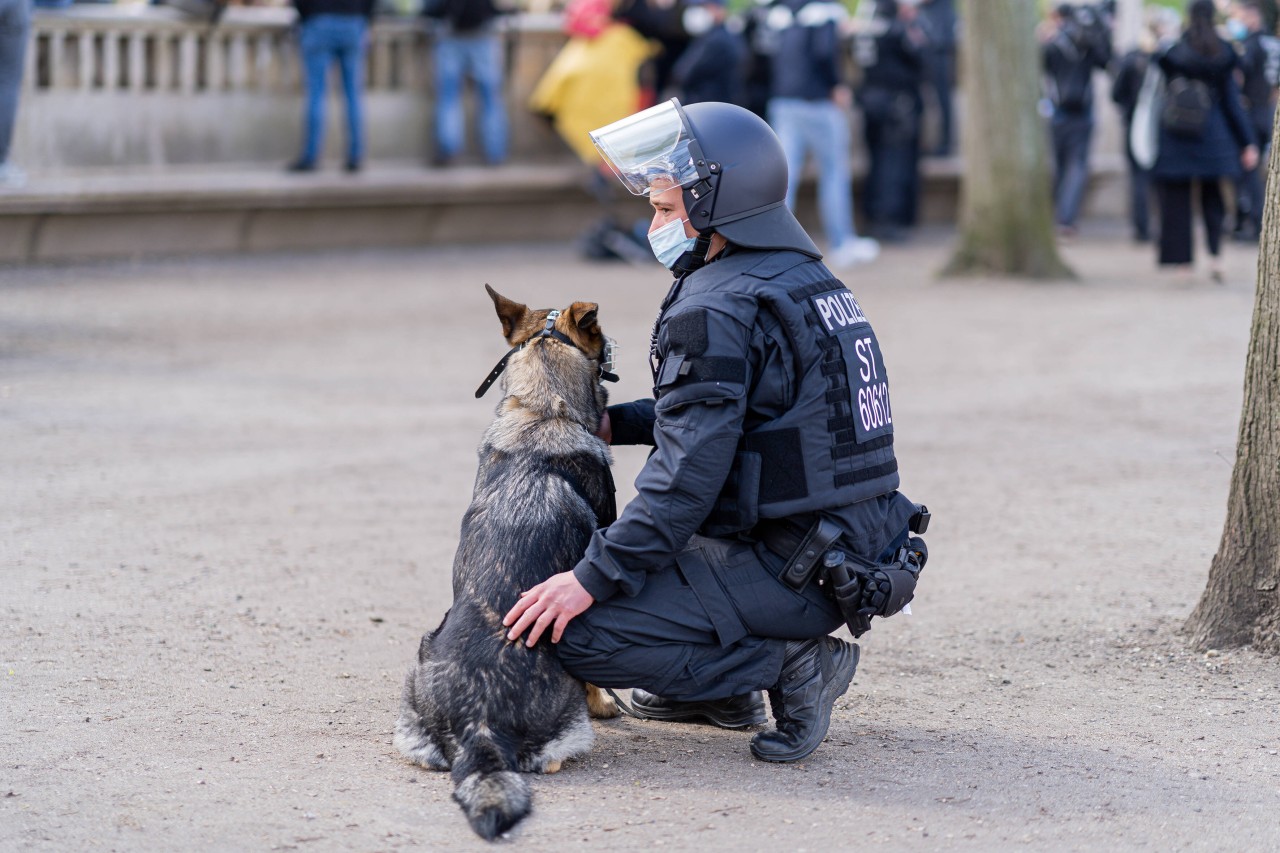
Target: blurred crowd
<point>803,65</point>
<point>1197,97</point>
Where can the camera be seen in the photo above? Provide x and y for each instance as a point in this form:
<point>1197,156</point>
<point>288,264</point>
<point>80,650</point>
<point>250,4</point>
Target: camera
<point>1095,19</point>
<point>1088,23</point>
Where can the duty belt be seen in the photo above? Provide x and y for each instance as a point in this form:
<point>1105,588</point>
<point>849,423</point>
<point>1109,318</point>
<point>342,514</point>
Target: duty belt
<point>802,549</point>
<point>860,588</point>
<point>784,536</point>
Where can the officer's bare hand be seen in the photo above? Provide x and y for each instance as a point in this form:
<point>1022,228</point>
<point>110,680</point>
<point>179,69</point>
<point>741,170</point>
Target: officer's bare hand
<point>605,430</point>
<point>553,602</point>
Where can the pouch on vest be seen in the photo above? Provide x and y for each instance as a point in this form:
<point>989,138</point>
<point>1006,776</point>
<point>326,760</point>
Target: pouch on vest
<point>696,379</point>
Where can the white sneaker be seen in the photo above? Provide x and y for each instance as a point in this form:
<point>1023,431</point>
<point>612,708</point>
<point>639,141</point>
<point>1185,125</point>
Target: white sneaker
<point>859,250</point>
<point>11,177</point>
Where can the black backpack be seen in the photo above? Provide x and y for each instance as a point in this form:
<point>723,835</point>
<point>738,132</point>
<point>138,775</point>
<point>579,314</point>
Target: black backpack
<point>1186,107</point>
<point>462,15</point>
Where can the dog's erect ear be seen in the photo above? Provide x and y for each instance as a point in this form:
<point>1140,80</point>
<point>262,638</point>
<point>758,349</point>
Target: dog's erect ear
<point>509,313</point>
<point>583,315</point>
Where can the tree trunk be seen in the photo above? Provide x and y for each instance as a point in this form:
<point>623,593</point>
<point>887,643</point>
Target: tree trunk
<point>1006,205</point>
<point>1241,604</point>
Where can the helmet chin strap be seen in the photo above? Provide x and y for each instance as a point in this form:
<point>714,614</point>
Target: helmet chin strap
<point>695,258</point>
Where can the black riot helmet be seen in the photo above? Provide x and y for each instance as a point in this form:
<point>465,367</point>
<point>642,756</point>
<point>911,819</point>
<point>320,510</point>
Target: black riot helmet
<point>726,159</point>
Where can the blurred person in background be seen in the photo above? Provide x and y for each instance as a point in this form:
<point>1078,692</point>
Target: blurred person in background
<point>1131,71</point>
<point>941,23</point>
<point>1259,55</point>
<point>15,23</point>
<point>1270,14</point>
<point>809,107</point>
<point>333,31</point>
<point>593,81</point>
<point>1205,135</point>
<point>468,47</point>
<point>1074,44</point>
<point>762,43</point>
<point>713,66</point>
<point>891,52</point>
<point>662,23</point>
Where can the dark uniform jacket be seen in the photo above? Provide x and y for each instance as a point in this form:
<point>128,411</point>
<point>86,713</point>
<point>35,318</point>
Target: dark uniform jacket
<point>712,68</point>
<point>1216,152</point>
<point>891,59</point>
<point>771,402</point>
<point>806,62</point>
<point>892,70</point>
<point>1070,59</point>
<point>1260,68</point>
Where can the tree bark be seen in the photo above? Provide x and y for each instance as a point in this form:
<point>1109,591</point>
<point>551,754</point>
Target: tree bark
<point>1241,603</point>
<point>1006,205</point>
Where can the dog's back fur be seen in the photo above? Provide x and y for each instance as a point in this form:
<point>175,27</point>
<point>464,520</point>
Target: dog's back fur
<point>484,708</point>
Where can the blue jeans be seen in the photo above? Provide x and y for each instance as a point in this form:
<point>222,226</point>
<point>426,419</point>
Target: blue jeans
<point>479,57</point>
<point>1072,133</point>
<point>823,128</point>
<point>15,21</point>
<point>326,39</point>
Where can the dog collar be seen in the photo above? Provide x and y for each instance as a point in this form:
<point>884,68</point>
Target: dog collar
<point>548,331</point>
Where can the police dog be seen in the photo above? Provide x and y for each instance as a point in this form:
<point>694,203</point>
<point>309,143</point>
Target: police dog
<point>475,704</point>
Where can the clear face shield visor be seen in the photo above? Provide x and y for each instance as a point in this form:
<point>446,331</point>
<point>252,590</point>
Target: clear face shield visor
<point>650,147</point>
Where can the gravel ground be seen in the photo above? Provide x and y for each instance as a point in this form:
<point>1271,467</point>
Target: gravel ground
<point>230,491</point>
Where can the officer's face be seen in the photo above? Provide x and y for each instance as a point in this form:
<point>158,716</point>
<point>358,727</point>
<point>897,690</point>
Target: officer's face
<point>668,206</point>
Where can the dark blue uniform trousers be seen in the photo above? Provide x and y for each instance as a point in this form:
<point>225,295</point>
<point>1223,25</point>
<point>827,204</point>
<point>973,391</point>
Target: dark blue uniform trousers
<point>712,626</point>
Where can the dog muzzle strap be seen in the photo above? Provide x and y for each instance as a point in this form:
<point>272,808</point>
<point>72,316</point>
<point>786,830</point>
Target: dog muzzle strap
<point>549,331</point>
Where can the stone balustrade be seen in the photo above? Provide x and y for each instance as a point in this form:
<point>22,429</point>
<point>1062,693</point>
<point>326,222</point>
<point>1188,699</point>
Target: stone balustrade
<point>147,132</point>
<point>148,87</point>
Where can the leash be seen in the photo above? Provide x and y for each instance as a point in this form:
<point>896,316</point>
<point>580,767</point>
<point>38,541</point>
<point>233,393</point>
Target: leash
<point>625,706</point>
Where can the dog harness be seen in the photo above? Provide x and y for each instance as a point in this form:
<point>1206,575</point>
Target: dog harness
<point>606,362</point>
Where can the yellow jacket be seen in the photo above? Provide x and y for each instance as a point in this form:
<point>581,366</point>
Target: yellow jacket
<point>591,83</point>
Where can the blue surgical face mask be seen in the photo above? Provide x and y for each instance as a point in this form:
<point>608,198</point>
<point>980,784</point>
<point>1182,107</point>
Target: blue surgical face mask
<point>1237,30</point>
<point>669,242</point>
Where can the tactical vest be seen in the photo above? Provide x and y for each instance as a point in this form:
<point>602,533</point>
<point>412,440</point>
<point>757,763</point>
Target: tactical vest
<point>833,444</point>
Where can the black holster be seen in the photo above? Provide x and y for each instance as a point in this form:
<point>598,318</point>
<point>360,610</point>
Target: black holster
<point>860,588</point>
<point>865,590</point>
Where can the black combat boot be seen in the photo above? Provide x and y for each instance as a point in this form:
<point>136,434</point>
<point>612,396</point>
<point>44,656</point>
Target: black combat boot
<point>736,712</point>
<point>814,674</point>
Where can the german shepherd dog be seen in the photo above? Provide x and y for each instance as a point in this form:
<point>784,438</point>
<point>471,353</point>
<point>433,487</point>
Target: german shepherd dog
<point>475,704</point>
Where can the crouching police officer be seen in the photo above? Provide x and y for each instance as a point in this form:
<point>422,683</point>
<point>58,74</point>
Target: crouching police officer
<point>767,514</point>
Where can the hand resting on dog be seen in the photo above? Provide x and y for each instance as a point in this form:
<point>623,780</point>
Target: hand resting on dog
<point>555,601</point>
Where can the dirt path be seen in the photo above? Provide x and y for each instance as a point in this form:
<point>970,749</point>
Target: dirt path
<point>230,493</point>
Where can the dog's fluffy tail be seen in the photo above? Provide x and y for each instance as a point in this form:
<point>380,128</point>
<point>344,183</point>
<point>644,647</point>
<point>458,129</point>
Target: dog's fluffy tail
<point>493,795</point>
